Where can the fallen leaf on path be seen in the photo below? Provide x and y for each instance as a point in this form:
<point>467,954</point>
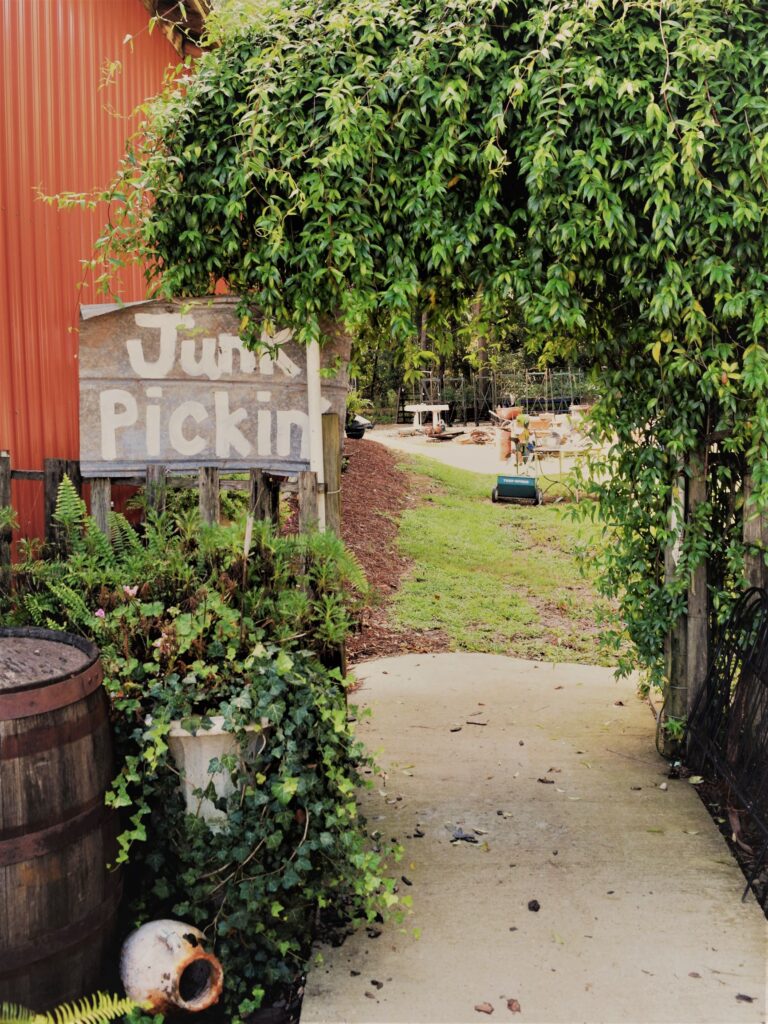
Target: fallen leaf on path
<point>369,995</point>
<point>513,1006</point>
<point>553,770</point>
<point>618,703</point>
<point>483,1007</point>
<point>696,780</point>
<point>741,998</point>
<point>458,835</point>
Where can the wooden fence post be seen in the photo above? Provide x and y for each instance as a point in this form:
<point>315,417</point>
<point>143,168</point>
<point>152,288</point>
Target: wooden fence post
<point>264,498</point>
<point>156,487</point>
<point>101,502</point>
<point>756,536</point>
<point>308,511</point>
<point>697,632</point>
<point>208,482</point>
<point>6,535</point>
<point>332,468</point>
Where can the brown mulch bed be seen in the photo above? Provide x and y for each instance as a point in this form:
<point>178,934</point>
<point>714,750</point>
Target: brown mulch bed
<point>374,493</point>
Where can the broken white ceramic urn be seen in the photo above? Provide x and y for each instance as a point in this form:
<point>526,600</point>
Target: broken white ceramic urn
<point>164,967</point>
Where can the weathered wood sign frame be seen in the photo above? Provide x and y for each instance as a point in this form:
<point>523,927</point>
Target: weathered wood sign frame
<point>171,384</point>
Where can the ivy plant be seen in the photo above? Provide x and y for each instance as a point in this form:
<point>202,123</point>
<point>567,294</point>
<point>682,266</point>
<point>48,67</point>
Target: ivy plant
<point>193,622</point>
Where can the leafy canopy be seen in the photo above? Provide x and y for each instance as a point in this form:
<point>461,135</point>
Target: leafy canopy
<point>602,164</point>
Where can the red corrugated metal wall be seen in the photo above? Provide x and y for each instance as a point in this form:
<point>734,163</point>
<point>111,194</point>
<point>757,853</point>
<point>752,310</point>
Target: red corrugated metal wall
<point>62,130</point>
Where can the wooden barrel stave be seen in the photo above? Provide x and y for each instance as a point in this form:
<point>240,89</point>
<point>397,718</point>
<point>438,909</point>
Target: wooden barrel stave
<point>58,900</point>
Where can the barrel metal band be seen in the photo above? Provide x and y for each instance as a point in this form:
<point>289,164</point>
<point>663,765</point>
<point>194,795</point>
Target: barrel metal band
<point>14,849</point>
<point>64,940</point>
<point>47,737</point>
<point>41,699</point>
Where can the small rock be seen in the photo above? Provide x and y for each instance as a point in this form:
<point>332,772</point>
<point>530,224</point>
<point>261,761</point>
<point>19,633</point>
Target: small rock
<point>369,995</point>
<point>354,974</point>
<point>377,984</point>
<point>513,1006</point>
<point>741,998</point>
<point>483,1007</point>
<point>534,905</point>
<point>663,787</point>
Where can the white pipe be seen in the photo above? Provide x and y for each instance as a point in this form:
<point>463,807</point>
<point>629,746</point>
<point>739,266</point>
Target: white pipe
<point>315,410</point>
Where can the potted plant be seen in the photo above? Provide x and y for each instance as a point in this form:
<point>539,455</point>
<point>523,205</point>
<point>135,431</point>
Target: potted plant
<point>357,424</point>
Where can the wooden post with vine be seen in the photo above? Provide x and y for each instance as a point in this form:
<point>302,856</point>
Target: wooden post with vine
<point>332,471</point>
<point>755,539</point>
<point>697,625</point>
<point>676,640</point>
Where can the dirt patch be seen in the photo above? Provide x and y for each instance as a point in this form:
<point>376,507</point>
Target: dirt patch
<point>374,494</point>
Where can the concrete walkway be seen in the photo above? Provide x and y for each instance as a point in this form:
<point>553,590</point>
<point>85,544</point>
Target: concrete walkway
<point>640,916</point>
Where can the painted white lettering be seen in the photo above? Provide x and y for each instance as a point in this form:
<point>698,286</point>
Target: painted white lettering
<point>167,324</point>
<point>230,343</point>
<point>182,444</point>
<point>269,360</point>
<point>228,435</point>
<point>264,425</point>
<point>111,420</point>
<point>207,365</point>
<point>152,419</point>
<point>285,423</point>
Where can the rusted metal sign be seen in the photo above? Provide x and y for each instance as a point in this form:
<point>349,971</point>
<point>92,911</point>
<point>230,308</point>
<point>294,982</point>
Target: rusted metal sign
<point>172,383</point>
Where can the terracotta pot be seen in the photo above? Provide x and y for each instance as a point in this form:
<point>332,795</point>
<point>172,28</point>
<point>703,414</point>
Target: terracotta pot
<point>504,443</point>
<point>510,413</point>
<point>164,967</point>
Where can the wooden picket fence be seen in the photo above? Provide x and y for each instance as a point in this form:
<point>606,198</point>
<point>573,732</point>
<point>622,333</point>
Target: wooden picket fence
<point>263,490</point>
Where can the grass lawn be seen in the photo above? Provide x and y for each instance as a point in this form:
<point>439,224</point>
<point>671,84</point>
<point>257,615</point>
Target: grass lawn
<point>502,579</point>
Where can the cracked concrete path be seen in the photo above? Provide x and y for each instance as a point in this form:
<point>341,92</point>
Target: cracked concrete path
<point>640,916</point>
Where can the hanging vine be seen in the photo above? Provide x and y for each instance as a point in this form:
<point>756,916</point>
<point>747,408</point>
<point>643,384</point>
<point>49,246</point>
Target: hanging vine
<point>600,166</point>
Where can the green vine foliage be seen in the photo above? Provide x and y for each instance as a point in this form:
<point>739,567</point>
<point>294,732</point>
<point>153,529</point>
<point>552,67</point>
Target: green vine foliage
<point>599,167</point>
<point>193,622</point>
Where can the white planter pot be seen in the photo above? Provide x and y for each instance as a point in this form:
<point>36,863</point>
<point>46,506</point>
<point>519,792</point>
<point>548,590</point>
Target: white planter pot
<point>193,754</point>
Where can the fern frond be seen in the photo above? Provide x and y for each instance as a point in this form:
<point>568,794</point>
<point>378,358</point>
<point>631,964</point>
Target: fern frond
<point>8,518</point>
<point>97,1009</point>
<point>70,511</point>
<point>10,1014</point>
<point>125,540</point>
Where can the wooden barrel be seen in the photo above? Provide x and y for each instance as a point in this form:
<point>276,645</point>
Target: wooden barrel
<point>58,900</point>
